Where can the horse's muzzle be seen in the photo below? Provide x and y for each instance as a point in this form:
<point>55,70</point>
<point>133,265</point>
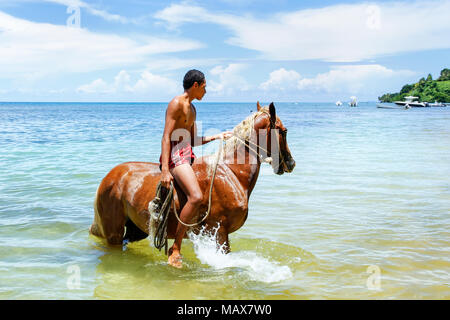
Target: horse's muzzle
<point>285,166</point>
<point>290,165</point>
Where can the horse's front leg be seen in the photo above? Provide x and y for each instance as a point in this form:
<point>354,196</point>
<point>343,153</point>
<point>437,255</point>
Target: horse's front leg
<point>223,242</point>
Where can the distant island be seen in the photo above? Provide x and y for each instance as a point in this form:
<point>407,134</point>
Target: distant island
<point>427,90</point>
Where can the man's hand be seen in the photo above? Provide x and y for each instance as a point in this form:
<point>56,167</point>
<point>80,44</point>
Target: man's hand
<point>225,135</point>
<point>166,178</point>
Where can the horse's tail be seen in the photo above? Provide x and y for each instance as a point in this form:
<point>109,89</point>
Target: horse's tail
<point>95,228</point>
<point>95,200</point>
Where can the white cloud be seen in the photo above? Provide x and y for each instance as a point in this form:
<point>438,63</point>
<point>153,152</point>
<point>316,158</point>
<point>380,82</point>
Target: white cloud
<point>343,80</point>
<point>349,32</point>
<point>174,63</point>
<point>351,78</point>
<point>177,14</point>
<point>122,82</point>
<point>40,48</point>
<point>148,86</point>
<point>154,84</point>
<point>96,86</point>
<point>222,81</point>
<point>227,81</point>
<point>365,81</point>
<point>281,79</point>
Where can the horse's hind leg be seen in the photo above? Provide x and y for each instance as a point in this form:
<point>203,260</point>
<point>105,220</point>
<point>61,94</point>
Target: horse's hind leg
<point>111,219</point>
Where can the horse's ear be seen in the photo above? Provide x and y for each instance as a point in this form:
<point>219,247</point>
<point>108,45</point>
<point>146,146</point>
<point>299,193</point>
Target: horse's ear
<point>258,106</point>
<point>273,113</point>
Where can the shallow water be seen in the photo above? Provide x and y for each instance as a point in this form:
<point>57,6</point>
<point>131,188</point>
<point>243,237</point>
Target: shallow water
<point>364,215</point>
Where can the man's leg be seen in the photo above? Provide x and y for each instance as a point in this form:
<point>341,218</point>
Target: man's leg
<point>187,180</point>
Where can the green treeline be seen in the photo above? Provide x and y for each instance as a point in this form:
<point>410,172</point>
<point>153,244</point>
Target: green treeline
<point>427,90</point>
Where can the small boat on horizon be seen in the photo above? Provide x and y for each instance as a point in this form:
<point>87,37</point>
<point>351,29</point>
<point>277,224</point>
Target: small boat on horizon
<point>386,106</point>
<point>437,104</point>
<point>353,102</point>
<point>339,103</point>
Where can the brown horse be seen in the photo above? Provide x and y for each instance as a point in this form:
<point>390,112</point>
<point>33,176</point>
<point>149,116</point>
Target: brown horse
<point>121,203</point>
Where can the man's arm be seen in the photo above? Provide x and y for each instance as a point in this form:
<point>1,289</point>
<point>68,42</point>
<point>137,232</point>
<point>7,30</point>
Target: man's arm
<point>198,141</point>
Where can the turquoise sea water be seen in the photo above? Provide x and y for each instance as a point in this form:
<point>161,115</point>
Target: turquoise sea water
<point>364,215</point>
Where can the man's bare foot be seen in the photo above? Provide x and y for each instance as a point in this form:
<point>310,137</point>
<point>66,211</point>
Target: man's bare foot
<point>175,259</point>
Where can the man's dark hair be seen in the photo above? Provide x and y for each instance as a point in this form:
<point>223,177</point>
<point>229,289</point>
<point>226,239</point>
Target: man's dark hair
<point>191,77</point>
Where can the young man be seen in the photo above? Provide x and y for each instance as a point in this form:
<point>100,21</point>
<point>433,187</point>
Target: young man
<point>180,133</point>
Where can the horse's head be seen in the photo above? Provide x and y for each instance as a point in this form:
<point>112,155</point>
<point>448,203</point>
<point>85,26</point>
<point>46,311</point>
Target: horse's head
<point>275,134</point>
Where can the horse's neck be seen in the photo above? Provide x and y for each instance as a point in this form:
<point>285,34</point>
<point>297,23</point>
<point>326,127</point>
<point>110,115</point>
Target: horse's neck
<point>246,172</point>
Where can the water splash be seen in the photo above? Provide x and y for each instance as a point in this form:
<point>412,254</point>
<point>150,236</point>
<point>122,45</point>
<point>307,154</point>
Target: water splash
<point>257,268</point>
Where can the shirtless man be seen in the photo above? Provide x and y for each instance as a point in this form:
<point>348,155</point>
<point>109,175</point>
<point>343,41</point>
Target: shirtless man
<point>180,135</point>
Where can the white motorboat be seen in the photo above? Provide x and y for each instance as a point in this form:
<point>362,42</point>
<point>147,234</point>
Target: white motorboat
<point>410,101</point>
<point>339,103</point>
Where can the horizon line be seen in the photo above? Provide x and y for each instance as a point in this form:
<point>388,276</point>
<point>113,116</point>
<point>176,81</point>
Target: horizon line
<point>198,102</point>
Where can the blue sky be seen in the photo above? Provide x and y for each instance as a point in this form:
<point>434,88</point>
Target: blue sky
<point>249,50</point>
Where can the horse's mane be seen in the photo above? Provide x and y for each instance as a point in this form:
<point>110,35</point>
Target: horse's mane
<point>244,131</point>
